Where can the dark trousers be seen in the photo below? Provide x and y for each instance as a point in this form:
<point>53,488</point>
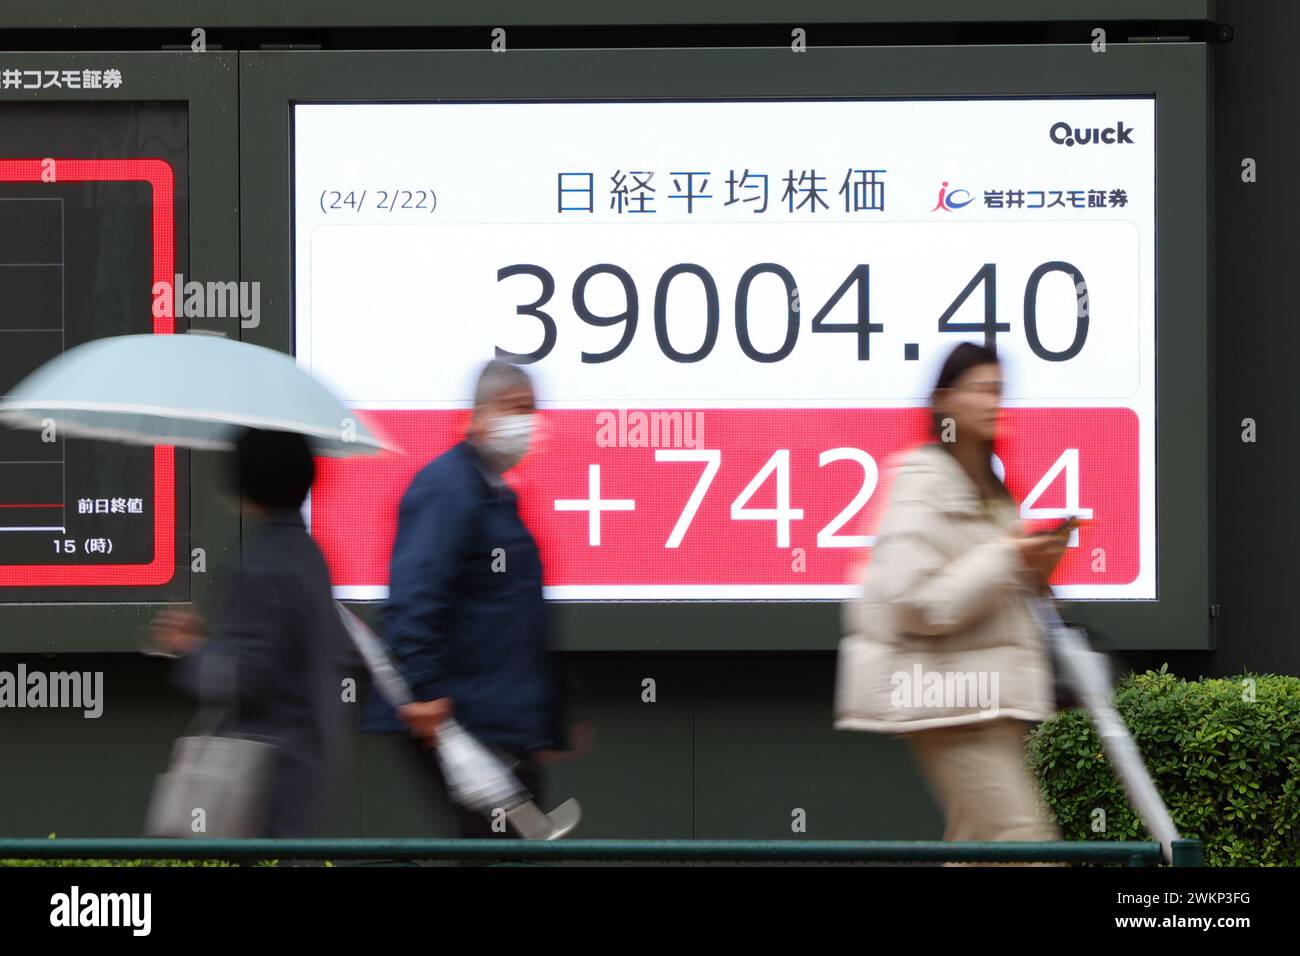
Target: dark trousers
<point>468,822</point>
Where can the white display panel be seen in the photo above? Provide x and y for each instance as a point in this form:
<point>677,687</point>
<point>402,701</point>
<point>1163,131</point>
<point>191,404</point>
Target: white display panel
<point>423,230</point>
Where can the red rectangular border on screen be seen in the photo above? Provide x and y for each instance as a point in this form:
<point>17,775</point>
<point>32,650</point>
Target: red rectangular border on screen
<point>158,174</point>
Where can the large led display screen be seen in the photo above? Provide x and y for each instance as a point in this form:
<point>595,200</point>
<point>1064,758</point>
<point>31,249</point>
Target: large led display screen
<point>734,313</point>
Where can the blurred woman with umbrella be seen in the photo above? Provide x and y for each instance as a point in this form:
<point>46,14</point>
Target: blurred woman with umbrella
<point>276,660</point>
<point>269,672</point>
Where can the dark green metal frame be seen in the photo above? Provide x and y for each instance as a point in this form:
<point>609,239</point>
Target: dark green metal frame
<point>208,85</point>
<point>86,14</point>
<point>1186,852</point>
<point>1177,73</point>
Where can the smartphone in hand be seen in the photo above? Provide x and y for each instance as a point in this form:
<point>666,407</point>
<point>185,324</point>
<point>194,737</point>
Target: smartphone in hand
<point>1064,528</point>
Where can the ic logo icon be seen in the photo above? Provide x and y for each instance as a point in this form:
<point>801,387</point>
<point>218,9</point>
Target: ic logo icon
<point>948,201</point>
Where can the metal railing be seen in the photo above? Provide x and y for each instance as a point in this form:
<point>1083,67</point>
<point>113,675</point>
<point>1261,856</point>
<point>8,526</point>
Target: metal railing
<point>1186,852</point>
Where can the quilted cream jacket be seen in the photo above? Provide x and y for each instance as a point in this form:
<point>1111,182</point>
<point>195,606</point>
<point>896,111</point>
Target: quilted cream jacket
<point>940,633</point>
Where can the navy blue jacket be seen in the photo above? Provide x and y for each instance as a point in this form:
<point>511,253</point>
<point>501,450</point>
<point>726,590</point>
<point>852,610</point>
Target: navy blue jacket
<point>465,617</point>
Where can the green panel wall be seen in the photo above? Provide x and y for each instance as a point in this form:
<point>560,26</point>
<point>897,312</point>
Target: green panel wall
<point>86,14</point>
<point>734,743</point>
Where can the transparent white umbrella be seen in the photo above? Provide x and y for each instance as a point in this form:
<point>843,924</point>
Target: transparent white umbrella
<point>193,390</point>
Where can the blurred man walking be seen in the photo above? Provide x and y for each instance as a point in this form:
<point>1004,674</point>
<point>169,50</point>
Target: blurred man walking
<point>465,619</point>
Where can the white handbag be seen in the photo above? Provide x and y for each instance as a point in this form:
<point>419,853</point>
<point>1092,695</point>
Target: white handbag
<point>215,786</point>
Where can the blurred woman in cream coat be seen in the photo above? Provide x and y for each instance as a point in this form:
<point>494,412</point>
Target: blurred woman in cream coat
<point>940,644</point>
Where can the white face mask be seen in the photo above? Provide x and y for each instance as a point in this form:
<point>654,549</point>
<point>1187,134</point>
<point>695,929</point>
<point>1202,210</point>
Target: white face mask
<point>508,437</point>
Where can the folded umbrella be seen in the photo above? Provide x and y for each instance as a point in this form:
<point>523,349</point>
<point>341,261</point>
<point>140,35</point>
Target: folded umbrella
<point>194,390</point>
<point>476,778</point>
<point>1088,673</point>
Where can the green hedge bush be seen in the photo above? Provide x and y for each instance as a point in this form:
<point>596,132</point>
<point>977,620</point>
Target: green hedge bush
<point>1224,754</point>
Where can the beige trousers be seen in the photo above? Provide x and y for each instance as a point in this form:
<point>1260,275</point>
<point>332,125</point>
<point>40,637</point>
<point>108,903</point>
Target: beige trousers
<point>977,774</point>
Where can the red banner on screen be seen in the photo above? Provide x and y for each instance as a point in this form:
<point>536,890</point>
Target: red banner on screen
<point>627,478</point>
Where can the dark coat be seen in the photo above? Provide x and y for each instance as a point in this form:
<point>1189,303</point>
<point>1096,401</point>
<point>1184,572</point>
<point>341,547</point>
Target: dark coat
<point>465,616</point>
<point>276,661</point>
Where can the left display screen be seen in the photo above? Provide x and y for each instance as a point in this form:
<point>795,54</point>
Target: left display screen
<point>92,198</point>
